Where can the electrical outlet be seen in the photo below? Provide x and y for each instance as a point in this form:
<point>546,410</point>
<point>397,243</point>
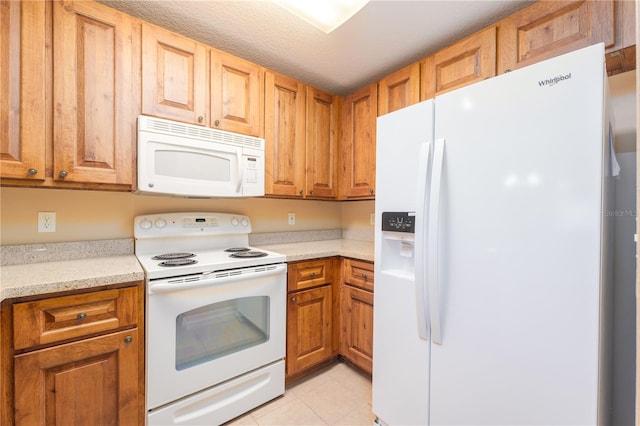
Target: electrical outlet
<point>292,219</point>
<point>46,221</point>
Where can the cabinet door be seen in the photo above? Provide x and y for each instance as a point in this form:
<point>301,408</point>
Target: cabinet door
<point>89,382</point>
<point>24,74</point>
<point>309,328</point>
<point>284,131</point>
<point>399,90</point>
<point>237,95</point>
<point>468,61</point>
<point>95,64</point>
<point>323,122</point>
<point>358,159</point>
<point>551,28</point>
<point>357,327</point>
<point>175,77</point>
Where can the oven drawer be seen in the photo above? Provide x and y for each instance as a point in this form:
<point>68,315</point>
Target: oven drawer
<point>358,274</point>
<point>61,318</point>
<point>308,274</point>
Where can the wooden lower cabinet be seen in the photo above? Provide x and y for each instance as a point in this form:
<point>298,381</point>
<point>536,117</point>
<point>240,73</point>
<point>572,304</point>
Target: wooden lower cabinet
<point>356,316</point>
<point>88,382</point>
<point>325,319</point>
<point>81,362</point>
<point>309,328</point>
<point>356,341</point>
<point>312,305</point>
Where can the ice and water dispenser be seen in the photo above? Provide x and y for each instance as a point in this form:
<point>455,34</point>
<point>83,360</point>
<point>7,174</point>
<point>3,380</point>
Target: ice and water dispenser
<point>398,241</point>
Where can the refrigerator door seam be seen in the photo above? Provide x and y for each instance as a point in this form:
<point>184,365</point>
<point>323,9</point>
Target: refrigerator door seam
<point>421,220</point>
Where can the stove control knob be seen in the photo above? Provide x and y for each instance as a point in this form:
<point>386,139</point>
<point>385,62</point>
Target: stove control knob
<point>234,221</point>
<point>245,222</point>
<point>160,223</point>
<point>145,224</point>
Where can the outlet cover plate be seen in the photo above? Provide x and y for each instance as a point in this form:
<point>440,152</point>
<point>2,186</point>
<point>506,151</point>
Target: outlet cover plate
<point>46,221</point>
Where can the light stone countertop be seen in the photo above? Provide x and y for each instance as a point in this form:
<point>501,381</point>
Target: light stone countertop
<point>49,268</point>
<point>362,250</point>
<point>31,279</point>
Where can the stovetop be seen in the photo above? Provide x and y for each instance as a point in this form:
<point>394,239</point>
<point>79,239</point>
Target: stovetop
<point>195,242</point>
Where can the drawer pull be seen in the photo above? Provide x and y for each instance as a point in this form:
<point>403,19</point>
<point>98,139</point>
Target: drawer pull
<point>128,339</point>
<point>313,275</point>
<point>81,316</point>
<point>293,300</point>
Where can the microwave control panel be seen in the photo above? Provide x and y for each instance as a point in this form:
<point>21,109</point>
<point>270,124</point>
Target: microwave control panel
<point>399,222</point>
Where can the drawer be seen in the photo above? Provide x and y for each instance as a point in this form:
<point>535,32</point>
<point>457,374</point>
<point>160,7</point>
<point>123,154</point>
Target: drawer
<point>358,273</point>
<point>313,273</point>
<point>61,318</point>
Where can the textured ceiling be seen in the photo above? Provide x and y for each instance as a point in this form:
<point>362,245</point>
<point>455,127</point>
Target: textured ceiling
<point>384,36</point>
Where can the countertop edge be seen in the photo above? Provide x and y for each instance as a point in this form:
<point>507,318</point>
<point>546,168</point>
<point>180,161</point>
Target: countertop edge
<point>68,275</point>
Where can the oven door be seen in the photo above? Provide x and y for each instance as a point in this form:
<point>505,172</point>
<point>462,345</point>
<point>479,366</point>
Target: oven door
<point>204,330</point>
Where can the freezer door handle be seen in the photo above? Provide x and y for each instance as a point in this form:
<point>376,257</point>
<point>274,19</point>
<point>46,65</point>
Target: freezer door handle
<point>420,236</point>
<point>432,246</point>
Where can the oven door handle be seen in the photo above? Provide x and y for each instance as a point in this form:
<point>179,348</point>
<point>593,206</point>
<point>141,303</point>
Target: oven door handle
<point>215,278</point>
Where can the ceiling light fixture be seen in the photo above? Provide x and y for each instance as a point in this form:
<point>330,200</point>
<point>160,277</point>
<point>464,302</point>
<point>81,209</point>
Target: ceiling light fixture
<point>326,15</point>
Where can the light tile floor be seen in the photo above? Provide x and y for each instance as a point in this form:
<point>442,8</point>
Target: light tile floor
<point>334,395</point>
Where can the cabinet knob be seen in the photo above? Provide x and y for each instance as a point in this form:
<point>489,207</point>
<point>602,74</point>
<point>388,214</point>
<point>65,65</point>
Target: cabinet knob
<point>128,339</point>
<point>313,275</point>
<point>301,192</point>
<point>81,315</point>
<point>217,122</point>
<point>32,171</point>
<point>364,277</point>
<point>371,191</point>
<point>200,119</point>
<point>293,300</point>
<point>63,173</point>
<point>310,191</point>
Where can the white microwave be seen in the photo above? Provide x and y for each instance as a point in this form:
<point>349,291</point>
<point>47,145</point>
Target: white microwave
<point>192,161</point>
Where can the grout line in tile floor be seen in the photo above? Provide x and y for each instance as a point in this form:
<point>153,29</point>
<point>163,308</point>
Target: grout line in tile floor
<point>334,395</point>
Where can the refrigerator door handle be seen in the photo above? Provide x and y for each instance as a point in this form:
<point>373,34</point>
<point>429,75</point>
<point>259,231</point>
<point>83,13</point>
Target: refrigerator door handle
<point>420,241</point>
<point>432,245</point>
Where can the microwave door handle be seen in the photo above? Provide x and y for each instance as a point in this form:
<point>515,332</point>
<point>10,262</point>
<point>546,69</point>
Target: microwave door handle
<point>240,171</point>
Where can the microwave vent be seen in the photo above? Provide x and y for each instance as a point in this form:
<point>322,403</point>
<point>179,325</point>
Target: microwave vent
<point>168,127</point>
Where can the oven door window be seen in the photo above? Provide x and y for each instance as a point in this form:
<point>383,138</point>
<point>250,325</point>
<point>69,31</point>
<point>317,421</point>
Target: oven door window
<point>220,329</point>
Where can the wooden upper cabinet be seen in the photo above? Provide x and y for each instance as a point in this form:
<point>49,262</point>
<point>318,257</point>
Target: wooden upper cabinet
<point>284,131</point>
<point>551,28</point>
<point>95,61</point>
<point>625,24</point>
<point>323,121</point>
<point>237,95</point>
<point>358,144</point>
<point>399,89</point>
<point>24,74</point>
<point>175,77</point>
<point>468,61</point>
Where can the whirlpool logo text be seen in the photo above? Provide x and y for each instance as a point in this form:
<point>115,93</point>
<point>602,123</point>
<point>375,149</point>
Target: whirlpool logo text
<point>554,80</point>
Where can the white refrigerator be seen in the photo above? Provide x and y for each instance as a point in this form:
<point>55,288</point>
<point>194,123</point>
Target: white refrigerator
<point>492,263</point>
